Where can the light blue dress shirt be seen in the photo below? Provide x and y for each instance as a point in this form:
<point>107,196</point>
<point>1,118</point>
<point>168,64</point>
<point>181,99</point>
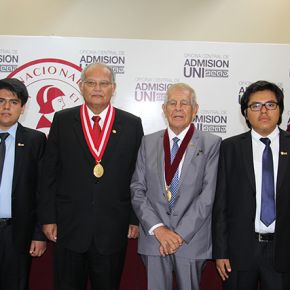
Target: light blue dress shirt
<point>7,175</point>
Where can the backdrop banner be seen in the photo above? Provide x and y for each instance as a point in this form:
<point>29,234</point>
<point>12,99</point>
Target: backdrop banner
<point>219,72</point>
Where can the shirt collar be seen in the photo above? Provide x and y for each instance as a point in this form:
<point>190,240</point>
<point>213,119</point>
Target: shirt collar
<point>273,135</point>
<point>180,136</point>
<point>11,130</point>
<point>102,114</point>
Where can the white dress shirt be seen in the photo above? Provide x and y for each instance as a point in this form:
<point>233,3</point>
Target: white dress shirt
<point>102,116</point>
<point>258,149</point>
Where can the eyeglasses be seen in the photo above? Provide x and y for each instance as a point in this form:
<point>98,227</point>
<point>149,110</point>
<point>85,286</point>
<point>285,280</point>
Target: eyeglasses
<point>93,84</point>
<point>182,103</point>
<point>255,107</point>
<point>11,102</point>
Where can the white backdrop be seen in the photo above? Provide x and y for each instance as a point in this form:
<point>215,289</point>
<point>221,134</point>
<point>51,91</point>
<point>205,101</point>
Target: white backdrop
<point>219,72</point>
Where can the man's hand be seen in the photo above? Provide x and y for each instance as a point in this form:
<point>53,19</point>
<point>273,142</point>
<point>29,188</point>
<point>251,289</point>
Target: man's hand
<point>50,230</point>
<point>224,267</point>
<point>37,248</point>
<point>169,240</point>
<point>133,232</point>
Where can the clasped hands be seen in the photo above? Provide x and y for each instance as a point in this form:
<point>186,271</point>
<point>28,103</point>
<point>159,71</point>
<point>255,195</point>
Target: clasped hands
<point>169,240</point>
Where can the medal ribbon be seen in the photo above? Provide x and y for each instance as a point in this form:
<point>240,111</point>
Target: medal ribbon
<point>170,169</point>
<point>97,148</point>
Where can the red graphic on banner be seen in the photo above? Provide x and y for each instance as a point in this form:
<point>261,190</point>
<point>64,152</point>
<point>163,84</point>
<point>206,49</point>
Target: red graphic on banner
<point>52,86</point>
<point>50,100</point>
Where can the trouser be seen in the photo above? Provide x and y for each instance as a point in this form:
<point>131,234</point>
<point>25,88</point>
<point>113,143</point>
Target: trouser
<point>73,269</point>
<point>160,272</point>
<point>14,266</point>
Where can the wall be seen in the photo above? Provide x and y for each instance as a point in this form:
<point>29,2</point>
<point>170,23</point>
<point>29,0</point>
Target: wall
<point>205,20</point>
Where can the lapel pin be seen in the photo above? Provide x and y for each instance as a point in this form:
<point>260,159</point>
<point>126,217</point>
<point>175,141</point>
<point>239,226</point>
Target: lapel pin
<point>283,153</point>
<point>114,131</point>
<point>20,144</point>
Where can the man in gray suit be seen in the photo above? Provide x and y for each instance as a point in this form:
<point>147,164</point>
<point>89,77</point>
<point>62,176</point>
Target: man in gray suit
<point>172,194</point>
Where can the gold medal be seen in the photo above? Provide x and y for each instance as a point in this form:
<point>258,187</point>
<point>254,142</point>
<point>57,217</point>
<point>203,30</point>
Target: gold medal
<point>169,195</point>
<point>98,170</point>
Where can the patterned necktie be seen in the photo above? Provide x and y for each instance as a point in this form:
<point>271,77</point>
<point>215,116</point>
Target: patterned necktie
<point>175,179</point>
<point>3,137</point>
<point>96,127</point>
<point>268,212</point>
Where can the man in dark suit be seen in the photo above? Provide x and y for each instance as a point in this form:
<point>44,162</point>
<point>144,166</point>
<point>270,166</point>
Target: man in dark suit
<point>85,205</point>
<point>251,233</point>
<point>21,151</point>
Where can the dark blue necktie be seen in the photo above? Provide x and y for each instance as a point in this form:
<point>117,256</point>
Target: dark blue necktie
<point>175,179</point>
<point>268,212</point>
<point>3,137</point>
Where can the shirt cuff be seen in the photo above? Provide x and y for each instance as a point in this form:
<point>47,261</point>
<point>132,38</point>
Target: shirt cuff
<point>151,233</point>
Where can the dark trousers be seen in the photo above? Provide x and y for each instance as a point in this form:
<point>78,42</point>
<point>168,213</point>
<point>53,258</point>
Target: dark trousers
<point>261,273</point>
<point>14,266</point>
<point>72,269</point>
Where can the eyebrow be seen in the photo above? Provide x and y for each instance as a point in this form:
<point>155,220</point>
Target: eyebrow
<point>7,99</point>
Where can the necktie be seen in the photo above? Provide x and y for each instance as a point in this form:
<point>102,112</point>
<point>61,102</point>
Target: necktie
<point>268,212</point>
<point>3,137</point>
<point>175,179</point>
<point>96,127</point>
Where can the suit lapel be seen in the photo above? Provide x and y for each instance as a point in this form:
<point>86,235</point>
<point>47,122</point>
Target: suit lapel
<point>247,157</point>
<point>20,143</point>
<point>115,134</point>
<point>160,161</point>
<point>283,162</point>
<point>191,151</point>
<point>77,127</point>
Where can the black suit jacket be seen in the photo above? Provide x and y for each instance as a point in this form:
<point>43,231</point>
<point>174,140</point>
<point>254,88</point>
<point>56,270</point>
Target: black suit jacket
<point>29,149</point>
<point>235,203</point>
<point>86,208</point>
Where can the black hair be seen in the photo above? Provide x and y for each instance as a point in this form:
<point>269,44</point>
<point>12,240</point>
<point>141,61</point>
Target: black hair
<point>16,87</point>
<point>262,86</point>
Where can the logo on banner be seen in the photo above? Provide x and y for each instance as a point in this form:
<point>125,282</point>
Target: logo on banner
<point>114,59</point>
<point>52,85</point>
<point>211,121</point>
<point>8,60</point>
<point>206,66</point>
<point>152,89</point>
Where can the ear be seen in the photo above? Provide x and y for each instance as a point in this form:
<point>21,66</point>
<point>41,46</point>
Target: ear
<point>22,109</point>
<point>114,86</point>
<point>81,86</point>
<point>194,111</point>
<point>163,108</point>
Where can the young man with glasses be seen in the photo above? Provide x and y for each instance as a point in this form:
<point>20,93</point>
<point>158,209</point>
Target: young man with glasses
<point>251,233</point>
<point>21,152</point>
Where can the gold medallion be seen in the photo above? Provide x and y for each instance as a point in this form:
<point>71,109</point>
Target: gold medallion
<point>169,195</point>
<point>98,170</point>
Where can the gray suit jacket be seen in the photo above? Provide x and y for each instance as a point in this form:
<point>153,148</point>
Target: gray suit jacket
<point>191,215</point>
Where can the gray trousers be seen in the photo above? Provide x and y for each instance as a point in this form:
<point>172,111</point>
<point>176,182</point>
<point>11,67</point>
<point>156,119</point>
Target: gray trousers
<point>160,272</point>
